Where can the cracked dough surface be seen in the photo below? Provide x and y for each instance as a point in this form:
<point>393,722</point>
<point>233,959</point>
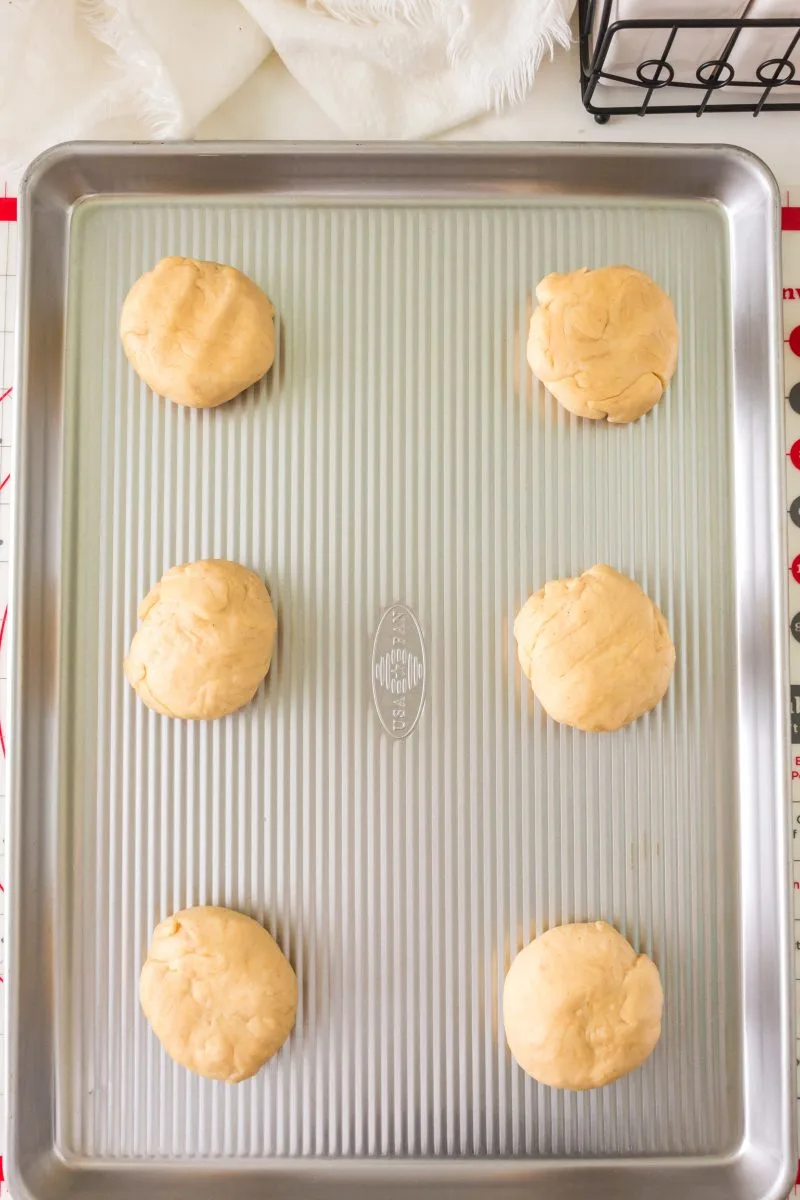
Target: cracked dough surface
<point>604,342</point>
<point>197,332</point>
<point>205,640</point>
<point>596,650</point>
<point>581,1007</point>
<point>218,992</point>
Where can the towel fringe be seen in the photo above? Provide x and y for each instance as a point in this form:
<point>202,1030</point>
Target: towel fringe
<point>154,97</point>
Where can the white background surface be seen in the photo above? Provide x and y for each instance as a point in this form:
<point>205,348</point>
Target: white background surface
<point>273,106</point>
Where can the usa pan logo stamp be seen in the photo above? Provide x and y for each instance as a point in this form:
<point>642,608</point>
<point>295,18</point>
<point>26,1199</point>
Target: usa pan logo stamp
<point>398,671</point>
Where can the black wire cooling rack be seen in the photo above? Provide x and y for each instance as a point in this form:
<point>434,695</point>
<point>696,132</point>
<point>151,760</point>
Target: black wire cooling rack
<point>715,87</point>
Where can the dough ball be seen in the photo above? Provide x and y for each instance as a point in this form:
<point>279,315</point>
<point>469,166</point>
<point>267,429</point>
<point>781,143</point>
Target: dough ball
<point>596,650</point>
<point>604,342</point>
<point>581,1007</point>
<point>205,641</point>
<point>197,332</point>
<point>218,993</point>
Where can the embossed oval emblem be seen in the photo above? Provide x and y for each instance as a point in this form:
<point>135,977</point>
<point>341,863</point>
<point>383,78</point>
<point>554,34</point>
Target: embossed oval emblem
<point>398,671</point>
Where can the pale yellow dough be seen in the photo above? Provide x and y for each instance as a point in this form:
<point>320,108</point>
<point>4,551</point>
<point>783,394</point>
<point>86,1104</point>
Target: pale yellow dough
<point>197,332</point>
<point>205,641</point>
<point>218,992</point>
<point>581,1007</point>
<point>604,342</point>
<point>596,649</point>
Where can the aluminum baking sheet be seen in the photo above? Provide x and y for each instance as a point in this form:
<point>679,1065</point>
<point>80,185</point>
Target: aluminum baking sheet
<point>399,468</point>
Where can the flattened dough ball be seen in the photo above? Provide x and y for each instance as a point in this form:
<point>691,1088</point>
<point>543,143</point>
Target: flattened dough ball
<point>596,650</point>
<point>581,1007</point>
<point>197,332</point>
<point>604,342</point>
<point>218,992</point>
<point>205,641</point>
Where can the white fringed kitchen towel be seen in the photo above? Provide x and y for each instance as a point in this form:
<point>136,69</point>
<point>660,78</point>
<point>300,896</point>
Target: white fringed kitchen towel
<point>156,68</point>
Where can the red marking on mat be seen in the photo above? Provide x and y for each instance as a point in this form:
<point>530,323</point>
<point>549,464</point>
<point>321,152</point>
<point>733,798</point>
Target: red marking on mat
<point>3,395</point>
<point>2,742</point>
<point>790,219</point>
<point>795,568</point>
<point>8,208</point>
<point>794,341</point>
<point>794,454</point>
<point>5,481</point>
<point>2,634</point>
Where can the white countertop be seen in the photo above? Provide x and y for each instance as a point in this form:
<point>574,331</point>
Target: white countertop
<point>273,106</point>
